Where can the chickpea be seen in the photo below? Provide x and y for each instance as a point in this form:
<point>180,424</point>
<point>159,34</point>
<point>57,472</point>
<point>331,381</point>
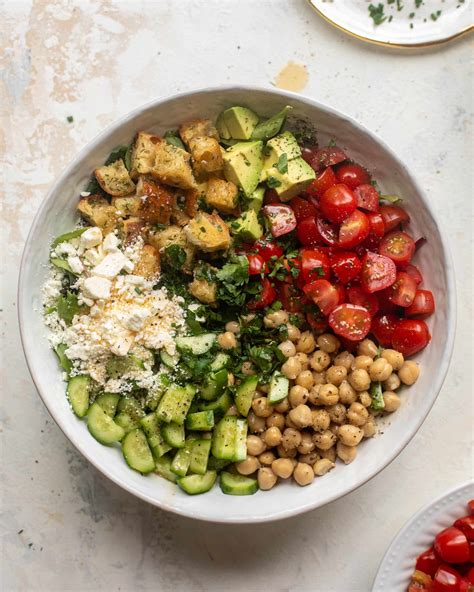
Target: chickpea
<point>303,360</point>
<point>369,429</point>
<point>284,453</point>
<point>346,453</point>
<point>322,466</point>
<point>350,435</point>
<point>394,358</point>
<point>305,379</point>
<point>291,439</point>
<point>328,343</point>
<point>329,454</point>
<point>337,413</point>
<point>345,359</point>
<point>282,467</point>
<point>336,374</point>
<point>255,445</point>
<point>233,327</point>
<point>272,320</point>
<point>334,428</point>
<point>303,474</point>
<point>248,318</point>
<point>264,388</point>
<point>324,440</point>
<point>320,360</point>
<point>298,395</point>
<point>392,382</point>
<point>365,398</point>
<point>359,379</point>
<point>367,348</point>
<point>347,394</point>
<point>362,362</point>
<point>309,458</point>
<point>266,458</point>
<point>301,416</point>
<point>291,368</point>
<point>328,394</point>
<point>319,378</point>
<point>307,445</point>
<point>287,348</point>
<point>261,407</point>
<point>306,343</point>
<point>289,423</point>
<point>227,340</point>
<point>293,333</point>
<point>409,372</point>
<point>321,420</point>
<point>380,370</point>
<point>247,466</point>
<point>392,401</point>
<point>248,369</point>
<point>275,420</point>
<point>272,437</point>
<point>266,478</point>
<point>256,424</point>
<point>283,406</point>
<point>357,414</point>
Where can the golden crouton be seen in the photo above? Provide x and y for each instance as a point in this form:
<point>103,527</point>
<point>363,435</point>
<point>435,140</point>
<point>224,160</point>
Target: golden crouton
<point>98,212</point>
<point>114,179</point>
<point>143,154</point>
<point>197,127</point>
<point>203,290</point>
<point>148,264</point>
<point>173,235</point>
<point>155,201</point>
<point>191,202</point>
<point>132,228</point>
<point>207,155</point>
<point>126,206</point>
<point>222,195</point>
<point>172,166</point>
<point>208,232</point>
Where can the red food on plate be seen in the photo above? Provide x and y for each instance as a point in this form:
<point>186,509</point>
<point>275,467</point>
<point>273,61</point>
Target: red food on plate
<point>402,292</point>
<point>393,216</point>
<point>354,230</point>
<point>346,266</point>
<point>452,546</point>
<point>281,219</point>
<point>367,198</point>
<point>356,295</point>
<point>428,562</point>
<point>383,327</point>
<point>256,264</point>
<point>423,304</point>
<point>325,157</point>
<point>314,265</point>
<point>302,208</point>
<point>324,180</point>
<point>378,272</point>
<point>410,336</point>
<point>337,203</point>
<point>399,246</point>
<point>267,248</point>
<point>324,294</point>
<point>350,321</point>
<point>266,297</point>
<point>308,233</point>
<point>352,175</point>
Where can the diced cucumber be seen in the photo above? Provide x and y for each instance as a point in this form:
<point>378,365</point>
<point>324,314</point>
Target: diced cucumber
<point>237,484</point>
<point>169,360</point>
<point>215,385</point>
<point>201,421</point>
<point>197,344</point>
<point>217,464</point>
<point>224,438</point>
<point>153,398</point>
<point>129,413</point>
<point>244,394</point>
<point>78,394</point>
<point>279,387</point>
<point>108,402</point>
<point>219,406</point>
<point>175,404</point>
<point>173,434</point>
<point>240,440</point>
<point>64,361</point>
<point>195,484</point>
<point>102,426</point>
<point>378,403</point>
<point>163,468</point>
<point>220,362</point>
<point>117,366</point>
<point>137,453</point>
<point>151,427</point>
<point>182,460</point>
<point>199,456</point>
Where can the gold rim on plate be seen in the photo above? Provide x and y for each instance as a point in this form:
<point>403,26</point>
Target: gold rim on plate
<point>464,31</point>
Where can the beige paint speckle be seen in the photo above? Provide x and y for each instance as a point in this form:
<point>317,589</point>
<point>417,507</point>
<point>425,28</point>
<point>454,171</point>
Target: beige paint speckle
<point>292,77</point>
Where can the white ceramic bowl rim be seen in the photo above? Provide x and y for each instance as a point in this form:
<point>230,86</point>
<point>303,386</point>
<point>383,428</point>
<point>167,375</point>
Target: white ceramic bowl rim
<point>28,346</point>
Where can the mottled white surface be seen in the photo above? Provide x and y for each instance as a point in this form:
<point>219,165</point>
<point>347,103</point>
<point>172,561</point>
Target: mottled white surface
<point>65,527</point>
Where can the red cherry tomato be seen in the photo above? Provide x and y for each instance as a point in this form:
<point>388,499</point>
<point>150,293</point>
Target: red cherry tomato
<point>354,230</point>
<point>352,175</point>
<point>367,198</point>
<point>422,305</point>
<point>325,157</point>
<point>350,321</point>
<point>399,246</point>
<point>256,265</point>
<point>308,233</point>
<point>466,525</point>
<point>356,295</point>
<point>293,271</point>
<point>342,292</point>
<point>271,197</point>
<point>383,327</point>
<point>327,231</point>
<point>465,585</point>
<point>302,208</point>
<point>324,180</point>
<point>290,297</point>
<point>402,291</point>
<point>376,232</point>
<point>280,218</point>
<point>266,297</point>
<point>452,545</point>
<point>428,562</point>
<point>314,265</point>
<point>308,152</point>
<point>378,272</point>
<point>324,294</point>
<point>470,575</point>
<point>393,216</point>
<point>337,203</point>
<point>346,266</point>
<point>267,249</point>
<point>470,505</point>
<point>317,321</point>
<point>446,579</point>
<point>415,273</point>
<point>410,336</point>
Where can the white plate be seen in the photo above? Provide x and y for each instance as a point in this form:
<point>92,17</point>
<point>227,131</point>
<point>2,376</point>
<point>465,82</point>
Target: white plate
<point>407,27</point>
<point>417,535</point>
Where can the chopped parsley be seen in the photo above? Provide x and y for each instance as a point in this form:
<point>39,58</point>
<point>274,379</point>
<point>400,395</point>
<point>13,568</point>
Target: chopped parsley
<point>376,13</point>
<point>418,3</point>
<point>434,16</point>
<point>70,118</point>
<point>175,256</point>
<point>273,182</point>
<point>282,164</point>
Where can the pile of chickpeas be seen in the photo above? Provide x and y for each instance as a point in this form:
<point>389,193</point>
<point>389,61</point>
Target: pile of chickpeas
<point>327,412</point>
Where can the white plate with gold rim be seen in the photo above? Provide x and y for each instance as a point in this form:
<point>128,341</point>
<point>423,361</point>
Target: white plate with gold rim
<point>399,23</point>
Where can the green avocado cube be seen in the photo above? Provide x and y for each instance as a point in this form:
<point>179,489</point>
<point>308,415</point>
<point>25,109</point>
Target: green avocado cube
<point>256,199</point>
<point>298,176</point>
<point>284,143</point>
<point>247,227</point>
<point>243,165</point>
<point>240,122</point>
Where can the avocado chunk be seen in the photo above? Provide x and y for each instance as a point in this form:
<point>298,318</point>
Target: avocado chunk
<point>298,176</point>
<point>269,128</point>
<point>222,127</point>
<point>256,199</point>
<point>240,122</point>
<point>247,227</point>
<point>243,165</point>
<point>284,143</point>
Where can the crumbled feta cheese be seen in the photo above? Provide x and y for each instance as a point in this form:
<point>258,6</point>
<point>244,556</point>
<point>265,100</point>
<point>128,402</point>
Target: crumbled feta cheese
<point>97,287</point>
<point>93,257</point>
<point>122,346</point>
<point>111,265</point>
<point>85,193</point>
<point>137,318</point>
<point>91,237</point>
<point>128,266</point>
<point>111,243</point>
<point>75,264</point>
<point>65,248</point>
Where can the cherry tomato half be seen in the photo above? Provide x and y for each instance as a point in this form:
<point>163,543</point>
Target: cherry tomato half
<point>317,321</point>
<point>356,295</point>
<point>308,233</point>
<point>324,180</point>
<point>428,562</point>
<point>346,266</point>
<point>265,298</point>
<point>267,249</point>
<point>271,197</point>
<point>325,157</point>
<point>466,524</point>
<point>376,232</point>
<point>314,265</point>
<point>393,216</point>
<point>367,198</point>
<point>280,218</point>
<point>350,321</point>
<point>378,272</point>
<point>402,291</point>
<point>415,273</point>
<point>327,231</point>
<point>383,327</point>
<point>290,297</point>
<point>446,579</point>
<point>352,175</point>
<point>302,208</point>
<point>410,336</point>
<point>354,230</point>
<point>337,203</point>
<point>452,545</point>
<point>470,505</point>
<point>399,246</point>
<point>423,304</point>
<point>256,264</point>
<point>324,294</point>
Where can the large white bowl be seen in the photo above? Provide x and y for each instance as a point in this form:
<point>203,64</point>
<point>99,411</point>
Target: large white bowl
<point>57,214</point>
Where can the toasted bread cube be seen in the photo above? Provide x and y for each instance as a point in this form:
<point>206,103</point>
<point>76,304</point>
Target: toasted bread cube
<point>98,212</point>
<point>172,166</point>
<point>191,202</point>
<point>126,206</point>
<point>114,179</point>
<point>156,202</point>
<point>132,228</point>
<point>197,127</point>
<point>222,195</point>
<point>173,235</point>
<point>143,154</point>
<point>207,155</point>
<point>208,232</point>
<point>148,264</point>
<point>204,291</point>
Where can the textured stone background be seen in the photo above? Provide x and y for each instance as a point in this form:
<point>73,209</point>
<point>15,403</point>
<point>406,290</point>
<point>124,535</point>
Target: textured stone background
<point>65,527</point>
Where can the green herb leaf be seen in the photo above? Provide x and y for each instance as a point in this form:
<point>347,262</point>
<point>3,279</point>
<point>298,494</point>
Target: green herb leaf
<point>173,138</point>
<point>117,154</point>
<point>67,307</point>
<point>273,182</point>
<point>282,164</point>
<point>391,198</point>
<point>376,13</point>
<point>67,236</point>
<point>174,256</point>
